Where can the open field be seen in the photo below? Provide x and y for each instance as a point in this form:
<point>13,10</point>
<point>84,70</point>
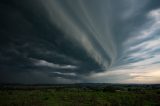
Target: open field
<point>80,96</point>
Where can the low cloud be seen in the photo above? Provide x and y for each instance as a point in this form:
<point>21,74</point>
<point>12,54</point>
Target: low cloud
<point>45,63</point>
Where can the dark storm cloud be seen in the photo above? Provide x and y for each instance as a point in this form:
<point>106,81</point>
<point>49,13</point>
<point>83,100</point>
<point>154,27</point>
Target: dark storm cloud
<point>31,42</point>
<point>59,41</point>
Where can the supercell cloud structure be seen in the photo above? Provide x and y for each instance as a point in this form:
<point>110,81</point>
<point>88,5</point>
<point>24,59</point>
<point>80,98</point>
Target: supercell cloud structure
<point>79,41</point>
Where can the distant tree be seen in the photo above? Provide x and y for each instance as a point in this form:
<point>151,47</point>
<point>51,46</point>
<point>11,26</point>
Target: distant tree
<point>109,89</point>
<point>158,92</point>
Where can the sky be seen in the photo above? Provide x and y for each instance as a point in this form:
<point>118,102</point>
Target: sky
<point>79,41</point>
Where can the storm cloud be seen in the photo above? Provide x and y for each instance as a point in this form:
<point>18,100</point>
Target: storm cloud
<point>78,41</point>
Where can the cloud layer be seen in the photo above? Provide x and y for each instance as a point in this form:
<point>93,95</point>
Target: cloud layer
<point>59,41</point>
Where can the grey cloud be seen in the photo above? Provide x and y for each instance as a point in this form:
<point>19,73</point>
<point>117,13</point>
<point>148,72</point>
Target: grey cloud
<point>59,41</point>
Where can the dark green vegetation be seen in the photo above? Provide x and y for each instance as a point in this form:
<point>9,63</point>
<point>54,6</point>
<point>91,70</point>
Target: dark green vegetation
<point>112,95</point>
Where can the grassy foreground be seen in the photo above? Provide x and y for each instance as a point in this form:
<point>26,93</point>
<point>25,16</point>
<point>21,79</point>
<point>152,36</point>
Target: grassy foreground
<point>78,97</point>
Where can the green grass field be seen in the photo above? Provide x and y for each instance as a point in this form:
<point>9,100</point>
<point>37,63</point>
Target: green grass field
<point>78,97</point>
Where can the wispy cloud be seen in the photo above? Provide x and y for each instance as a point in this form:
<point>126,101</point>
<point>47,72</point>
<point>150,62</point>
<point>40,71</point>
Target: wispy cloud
<point>140,46</point>
<point>141,55</point>
<point>67,74</point>
<point>45,63</point>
